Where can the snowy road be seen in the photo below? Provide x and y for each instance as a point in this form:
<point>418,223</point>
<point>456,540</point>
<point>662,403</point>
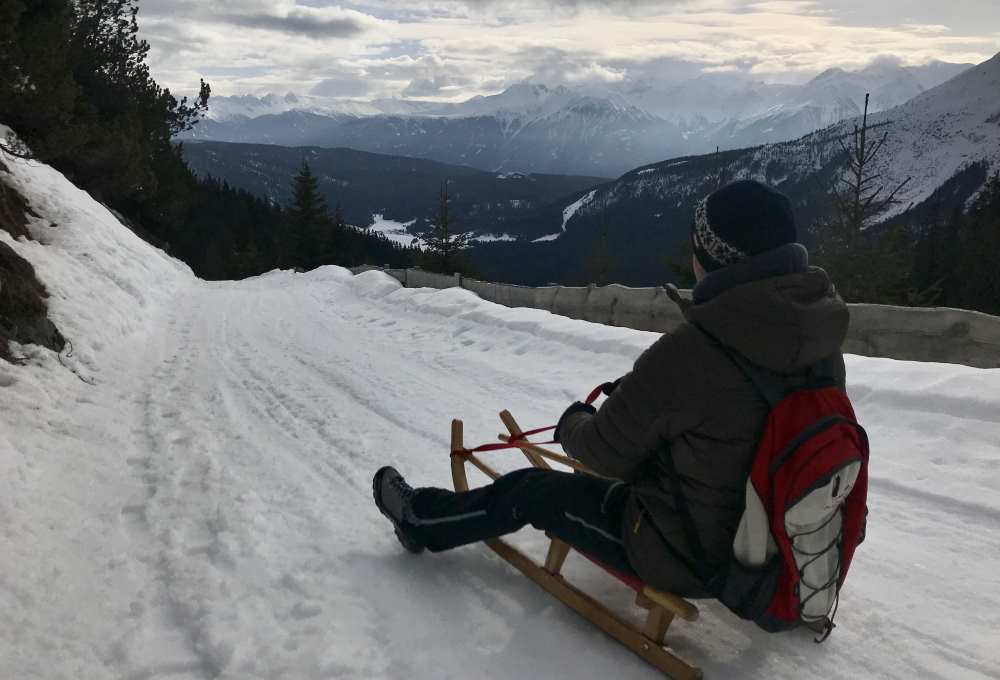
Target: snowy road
<point>211,516</point>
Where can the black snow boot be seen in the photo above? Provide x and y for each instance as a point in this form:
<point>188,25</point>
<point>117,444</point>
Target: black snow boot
<point>393,497</point>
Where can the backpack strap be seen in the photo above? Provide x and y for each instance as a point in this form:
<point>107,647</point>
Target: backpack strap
<point>771,386</point>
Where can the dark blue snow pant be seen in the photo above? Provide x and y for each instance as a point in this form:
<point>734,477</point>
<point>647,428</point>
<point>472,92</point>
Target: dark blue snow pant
<point>584,511</point>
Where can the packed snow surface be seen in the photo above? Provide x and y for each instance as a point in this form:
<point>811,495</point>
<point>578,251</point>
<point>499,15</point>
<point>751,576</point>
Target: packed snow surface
<point>203,509</point>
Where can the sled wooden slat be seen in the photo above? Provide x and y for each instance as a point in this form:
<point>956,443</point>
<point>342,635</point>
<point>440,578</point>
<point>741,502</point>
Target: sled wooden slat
<point>672,603</point>
<point>556,557</point>
<point>515,431</point>
<point>551,455</point>
<point>657,624</point>
<point>486,469</point>
<point>662,607</point>
<point>458,462</point>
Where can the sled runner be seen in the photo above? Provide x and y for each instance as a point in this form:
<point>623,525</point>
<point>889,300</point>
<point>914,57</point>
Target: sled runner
<point>661,607</point>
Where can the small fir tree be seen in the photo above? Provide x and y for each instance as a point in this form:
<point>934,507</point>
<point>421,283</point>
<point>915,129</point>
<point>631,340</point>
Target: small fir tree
<point>444,244</point>
<point>309,221</point>
<point>600,265</point>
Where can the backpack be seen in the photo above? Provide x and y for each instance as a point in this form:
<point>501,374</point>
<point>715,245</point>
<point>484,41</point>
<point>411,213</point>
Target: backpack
<point>805,510</point>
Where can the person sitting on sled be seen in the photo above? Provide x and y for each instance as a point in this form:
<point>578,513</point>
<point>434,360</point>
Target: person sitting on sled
<point>685,409</point>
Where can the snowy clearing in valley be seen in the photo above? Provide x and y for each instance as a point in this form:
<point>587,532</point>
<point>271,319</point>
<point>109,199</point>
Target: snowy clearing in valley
<point>204,509</point>
<point>494,238</point>
<point>397,232</point>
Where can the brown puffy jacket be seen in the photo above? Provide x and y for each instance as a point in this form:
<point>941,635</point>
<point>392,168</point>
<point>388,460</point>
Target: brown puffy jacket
<point>685,398</point>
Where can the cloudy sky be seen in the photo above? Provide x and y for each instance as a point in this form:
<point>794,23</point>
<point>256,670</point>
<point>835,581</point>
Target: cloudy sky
<point>454,49</point>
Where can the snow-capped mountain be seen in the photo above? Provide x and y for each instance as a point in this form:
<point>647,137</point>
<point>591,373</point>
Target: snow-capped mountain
<point>526,128</point>
<point>524,101</point>
<point>241,107</point>
<point>288,128</point>
<point>945,142</point>
<point>737,112</point>
<point>591,130</point>
<point>930,139</point>
<point>941,132</point>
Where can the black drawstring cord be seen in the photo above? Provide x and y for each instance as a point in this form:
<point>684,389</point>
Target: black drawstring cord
<point>830,625</point>
<point>827,621</point>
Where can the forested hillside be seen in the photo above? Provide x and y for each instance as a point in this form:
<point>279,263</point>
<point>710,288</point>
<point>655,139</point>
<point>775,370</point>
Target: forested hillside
<point>366,185</point>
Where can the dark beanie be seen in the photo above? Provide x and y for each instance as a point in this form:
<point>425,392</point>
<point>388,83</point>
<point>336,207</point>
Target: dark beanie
<point>740,220</point>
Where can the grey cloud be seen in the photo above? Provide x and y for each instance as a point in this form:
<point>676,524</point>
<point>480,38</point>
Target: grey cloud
<point>297,22</point>
<point>431,86</point>
<point>342,86</point>
<point>508,11</point>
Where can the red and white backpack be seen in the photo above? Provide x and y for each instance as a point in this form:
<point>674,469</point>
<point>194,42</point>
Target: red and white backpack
<point>805,508</point>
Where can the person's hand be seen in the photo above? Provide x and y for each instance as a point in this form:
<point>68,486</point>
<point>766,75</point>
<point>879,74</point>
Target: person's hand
<point>610,387</point>
<point>575,407</point>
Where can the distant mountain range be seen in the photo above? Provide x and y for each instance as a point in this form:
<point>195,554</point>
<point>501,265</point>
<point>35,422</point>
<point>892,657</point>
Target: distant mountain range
<point>945,141</point>
<point>583,131</point>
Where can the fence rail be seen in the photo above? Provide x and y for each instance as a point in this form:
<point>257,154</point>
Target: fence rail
<point>937,334</point>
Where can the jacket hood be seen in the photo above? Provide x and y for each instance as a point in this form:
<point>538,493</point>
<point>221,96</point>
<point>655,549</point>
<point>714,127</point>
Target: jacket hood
<point>775,310</point>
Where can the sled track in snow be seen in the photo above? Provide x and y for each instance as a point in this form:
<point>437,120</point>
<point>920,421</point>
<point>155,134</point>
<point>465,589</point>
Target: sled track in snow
<point>986,517</point>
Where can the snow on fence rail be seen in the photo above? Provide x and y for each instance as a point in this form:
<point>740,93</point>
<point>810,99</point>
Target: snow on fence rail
<point>937,334</point>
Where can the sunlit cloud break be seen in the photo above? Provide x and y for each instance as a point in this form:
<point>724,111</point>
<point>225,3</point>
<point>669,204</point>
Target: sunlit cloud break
<point>454,50</point>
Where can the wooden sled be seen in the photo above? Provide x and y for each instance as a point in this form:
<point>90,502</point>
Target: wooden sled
<point>662,607</point>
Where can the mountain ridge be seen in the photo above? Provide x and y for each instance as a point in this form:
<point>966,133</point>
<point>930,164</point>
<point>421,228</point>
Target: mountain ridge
<point>587,130</point>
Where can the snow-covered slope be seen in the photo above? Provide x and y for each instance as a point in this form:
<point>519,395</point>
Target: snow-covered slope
<point>948,139</point>
<point>203,509</point>
<point>940,132</point>
<point>105,283</point>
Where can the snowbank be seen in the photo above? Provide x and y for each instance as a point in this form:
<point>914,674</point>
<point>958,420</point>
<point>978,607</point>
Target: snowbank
<point>105,283</point>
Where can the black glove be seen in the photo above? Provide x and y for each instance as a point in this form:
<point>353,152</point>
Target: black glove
<point>610,387</point>
<point>575,407</point>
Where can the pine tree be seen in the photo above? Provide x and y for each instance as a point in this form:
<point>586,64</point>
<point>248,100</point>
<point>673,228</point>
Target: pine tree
<point>977,274</point>
<point>38,98</point>
<point>75,87</point>
<point>309,221</point>
<point>600,265</point>
<point>444,244</point>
